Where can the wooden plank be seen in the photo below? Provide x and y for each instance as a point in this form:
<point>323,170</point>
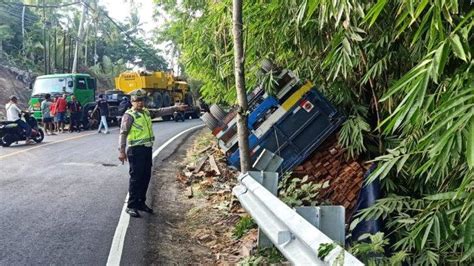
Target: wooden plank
<point>212,162</point>
<point>200,164</point>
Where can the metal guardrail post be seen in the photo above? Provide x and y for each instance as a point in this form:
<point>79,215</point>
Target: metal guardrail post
<point>328,219</point>
<point>268,180</point>
<point>297,239</point>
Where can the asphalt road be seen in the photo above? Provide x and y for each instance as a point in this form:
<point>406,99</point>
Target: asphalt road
<point>62,199</point>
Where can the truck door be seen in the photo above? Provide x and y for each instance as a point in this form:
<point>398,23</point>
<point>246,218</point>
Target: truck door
<point>82,91</point>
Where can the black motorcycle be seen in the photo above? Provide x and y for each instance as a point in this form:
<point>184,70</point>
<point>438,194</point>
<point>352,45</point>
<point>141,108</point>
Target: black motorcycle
<point>11,132</point>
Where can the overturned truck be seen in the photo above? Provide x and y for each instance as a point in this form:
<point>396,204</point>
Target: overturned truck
<point>285,126</point>
<point>294,129</point>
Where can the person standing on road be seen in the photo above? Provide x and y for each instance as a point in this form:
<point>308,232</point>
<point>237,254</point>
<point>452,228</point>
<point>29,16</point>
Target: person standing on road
<point>136,132</point>
<point>14,114</point>
<point>61,106</point>
<point>124,106</point>
<point>103,108</point>
<point>74,108</point>
<point>46,112</point>
<point>53,114</point>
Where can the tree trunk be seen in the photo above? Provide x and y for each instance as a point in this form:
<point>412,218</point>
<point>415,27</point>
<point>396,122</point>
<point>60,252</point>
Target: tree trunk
<point>64,52</point>
<point>23,43</point>
<point>44,40</point>
<point>79,38</point>
<point>85,48</point>
<point>242,130</point>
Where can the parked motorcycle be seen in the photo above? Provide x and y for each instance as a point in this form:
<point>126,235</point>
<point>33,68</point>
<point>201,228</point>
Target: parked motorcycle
<point>11,132</point>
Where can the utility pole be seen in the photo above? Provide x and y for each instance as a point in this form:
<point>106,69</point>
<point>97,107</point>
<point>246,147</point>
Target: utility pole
<point>242,130</point>
<point>44,40</point>
<point>79,37</point>
<point>86,45</point>
<point>23,28</point>
<point>49,53</point>
<point>70,54</point>
<point>55,50</point>
<point>64,52</point>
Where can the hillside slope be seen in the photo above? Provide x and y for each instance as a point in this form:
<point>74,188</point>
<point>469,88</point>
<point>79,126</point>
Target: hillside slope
<point>13,81</point>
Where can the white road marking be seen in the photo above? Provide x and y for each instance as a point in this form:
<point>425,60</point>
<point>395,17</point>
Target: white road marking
<point>115,253</point>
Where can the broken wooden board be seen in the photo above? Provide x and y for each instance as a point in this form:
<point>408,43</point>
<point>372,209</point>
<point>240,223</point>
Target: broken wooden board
<point>200,164</point>
<point>214,167</point>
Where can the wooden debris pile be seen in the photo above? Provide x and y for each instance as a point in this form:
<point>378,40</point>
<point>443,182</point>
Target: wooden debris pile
<point>207,179</point>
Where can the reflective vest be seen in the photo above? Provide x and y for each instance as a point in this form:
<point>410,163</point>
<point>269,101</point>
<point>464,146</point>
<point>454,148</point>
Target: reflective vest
<point>141,131</point>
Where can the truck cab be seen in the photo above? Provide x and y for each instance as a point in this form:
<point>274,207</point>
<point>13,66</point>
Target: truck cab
<point>83,86</point>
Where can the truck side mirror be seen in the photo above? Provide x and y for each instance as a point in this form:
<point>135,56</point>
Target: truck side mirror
<point>30,86</point>
<point>70,84</point>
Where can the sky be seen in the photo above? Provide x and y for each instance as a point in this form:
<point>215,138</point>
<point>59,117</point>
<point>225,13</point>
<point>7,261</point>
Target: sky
<point>118,11</point>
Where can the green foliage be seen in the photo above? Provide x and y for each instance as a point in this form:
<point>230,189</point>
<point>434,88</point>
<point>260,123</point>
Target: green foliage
<point>324,250</point>
<point>103,39</point>
<point>108,70</point>
<point>371,248</point>
<point>243,226</point>
<point>298,191</point>
<point>352,135</point>
<point>264,256</point>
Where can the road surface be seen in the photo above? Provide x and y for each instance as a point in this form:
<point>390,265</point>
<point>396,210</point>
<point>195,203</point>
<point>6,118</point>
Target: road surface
<point>62,199</point>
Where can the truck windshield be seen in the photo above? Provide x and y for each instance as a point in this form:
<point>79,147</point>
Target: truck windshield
<point>51,86</point>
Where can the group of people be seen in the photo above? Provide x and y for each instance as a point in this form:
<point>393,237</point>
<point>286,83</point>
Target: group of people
<point>135,141</point>
<point>54,110</point>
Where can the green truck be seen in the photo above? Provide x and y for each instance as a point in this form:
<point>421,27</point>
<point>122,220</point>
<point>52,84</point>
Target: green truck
<point>83,86</point>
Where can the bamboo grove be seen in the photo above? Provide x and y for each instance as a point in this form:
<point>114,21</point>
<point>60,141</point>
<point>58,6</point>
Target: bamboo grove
<point>401,70</point>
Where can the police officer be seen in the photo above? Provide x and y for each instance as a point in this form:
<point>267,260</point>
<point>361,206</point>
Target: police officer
<point>136,132</point>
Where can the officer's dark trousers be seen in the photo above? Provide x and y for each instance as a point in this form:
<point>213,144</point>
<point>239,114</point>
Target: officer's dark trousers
<point>140,160</point>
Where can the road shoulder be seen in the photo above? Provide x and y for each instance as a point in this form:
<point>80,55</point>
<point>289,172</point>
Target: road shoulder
<point>168,240</point>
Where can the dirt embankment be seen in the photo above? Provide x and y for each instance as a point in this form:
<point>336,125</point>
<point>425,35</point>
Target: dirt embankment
<point>14,81</point>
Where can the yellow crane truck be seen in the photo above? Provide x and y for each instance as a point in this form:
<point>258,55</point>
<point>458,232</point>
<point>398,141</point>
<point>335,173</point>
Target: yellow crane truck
<point>162,90</point>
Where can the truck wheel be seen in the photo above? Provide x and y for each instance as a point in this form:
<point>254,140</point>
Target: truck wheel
<point>85,115</point>
<point>210,121</point>
<point>158,99</point>
<point>195,115</point>
<point>166,100</point>
<point>217,112</point>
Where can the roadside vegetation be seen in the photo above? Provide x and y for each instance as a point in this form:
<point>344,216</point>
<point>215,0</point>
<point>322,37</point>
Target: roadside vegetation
<point>402,73</point>
<point>105,50</point>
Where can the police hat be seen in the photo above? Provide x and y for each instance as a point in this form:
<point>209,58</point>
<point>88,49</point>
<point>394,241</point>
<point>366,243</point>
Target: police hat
<point>138,96</point>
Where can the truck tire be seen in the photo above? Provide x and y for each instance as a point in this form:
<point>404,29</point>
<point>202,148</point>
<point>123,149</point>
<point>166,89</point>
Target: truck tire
<point>267,65</point>
<point>188,99</point>
<point>210,121</point>
<point>85,115</point>
<point>217,112</point>
<point>158,99</point>
<point>195,114</point>
<point>166,100</point>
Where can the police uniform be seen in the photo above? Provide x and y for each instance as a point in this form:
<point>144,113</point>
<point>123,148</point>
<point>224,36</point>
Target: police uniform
<point>137,128</point>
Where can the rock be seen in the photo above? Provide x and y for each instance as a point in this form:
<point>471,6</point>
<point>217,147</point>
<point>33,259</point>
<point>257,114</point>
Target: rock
<point>205,238</point>
<point>189,192</point>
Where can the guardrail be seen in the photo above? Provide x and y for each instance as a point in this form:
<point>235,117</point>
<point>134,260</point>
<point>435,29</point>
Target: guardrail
<point>297,239</point>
